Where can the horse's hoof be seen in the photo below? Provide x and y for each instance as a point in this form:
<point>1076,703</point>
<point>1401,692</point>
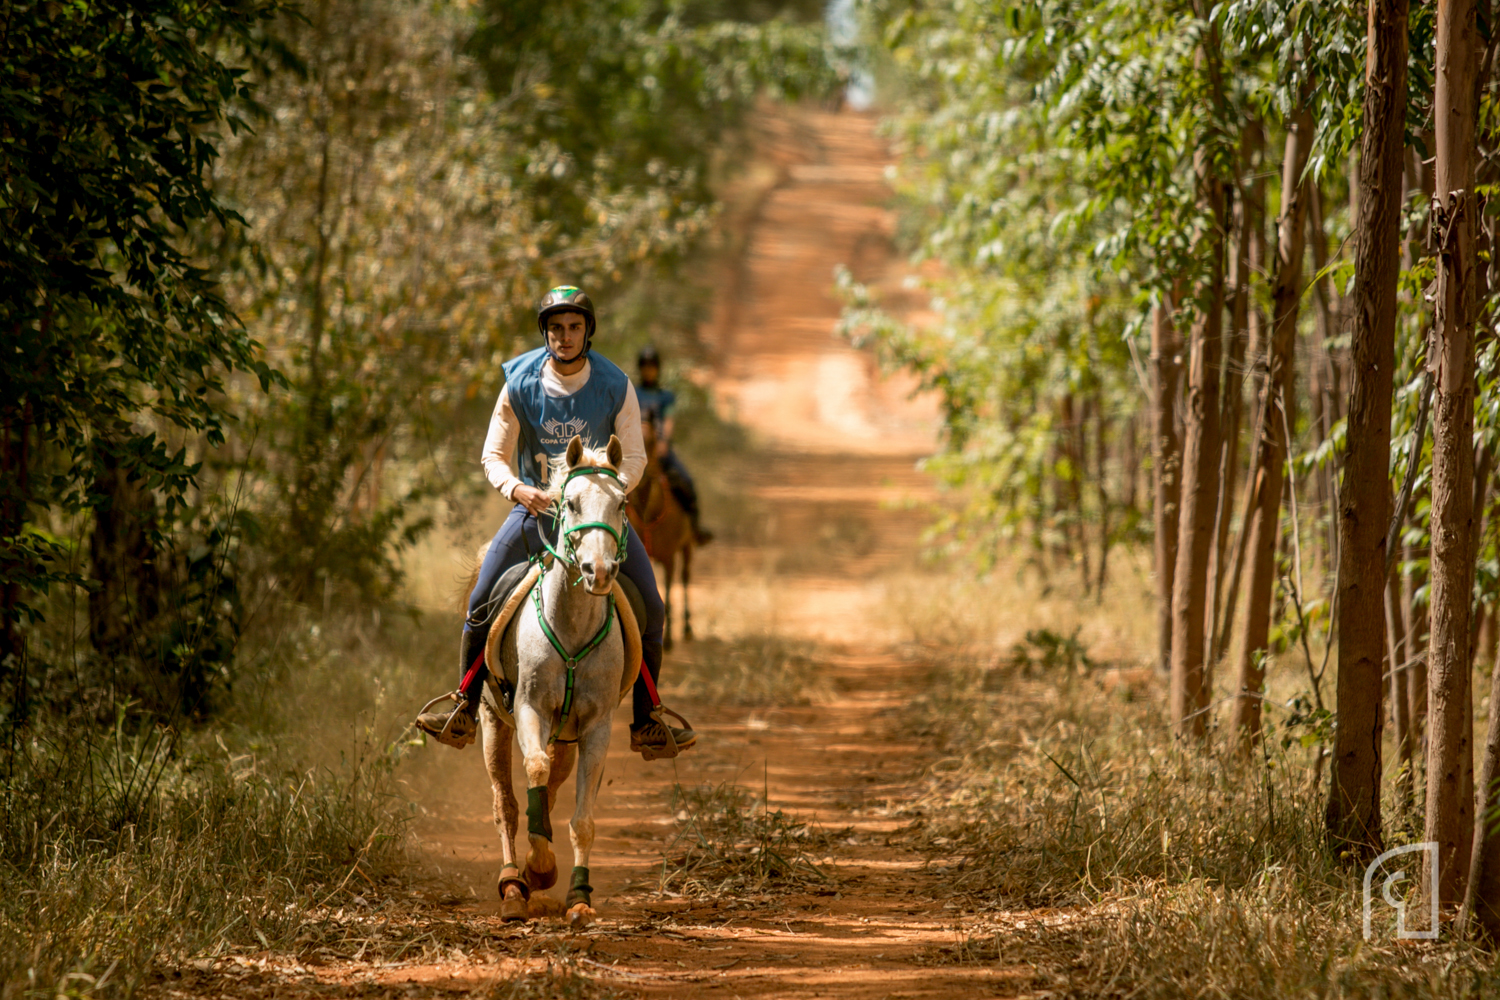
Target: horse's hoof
<point>539,881</point>
<point>666,644</point>
<point>580,915</point>
<point>513,908</point>
<point>687,634</point>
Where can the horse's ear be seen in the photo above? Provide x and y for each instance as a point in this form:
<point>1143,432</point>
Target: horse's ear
<point>615,452</point>
<point>575,451</point>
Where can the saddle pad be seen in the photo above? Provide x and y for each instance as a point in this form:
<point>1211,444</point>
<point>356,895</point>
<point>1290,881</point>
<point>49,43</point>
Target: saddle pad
<point>628,609</point>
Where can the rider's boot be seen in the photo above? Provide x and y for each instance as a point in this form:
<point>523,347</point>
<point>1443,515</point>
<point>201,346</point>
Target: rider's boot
<point>650,737</point>
<point>457,726</point>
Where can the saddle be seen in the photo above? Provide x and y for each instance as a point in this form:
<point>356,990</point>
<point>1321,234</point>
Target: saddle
<point>508,595</point>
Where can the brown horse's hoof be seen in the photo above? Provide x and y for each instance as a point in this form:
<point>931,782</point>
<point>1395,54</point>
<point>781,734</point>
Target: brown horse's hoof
<point>666,644</point>
<point>513,908</point>
<point>580,915</point>
<point>538,881</point>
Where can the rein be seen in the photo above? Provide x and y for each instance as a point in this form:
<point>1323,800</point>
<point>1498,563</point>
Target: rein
<point>570,660</point>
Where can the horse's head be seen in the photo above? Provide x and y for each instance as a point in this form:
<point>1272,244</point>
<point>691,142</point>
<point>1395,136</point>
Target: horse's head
<point>591,522</point>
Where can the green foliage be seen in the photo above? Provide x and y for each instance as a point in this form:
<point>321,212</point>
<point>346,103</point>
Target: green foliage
<point>113,331</point>
<point>1055,158</point>
<point>417,176</point>
<point>616,95</point>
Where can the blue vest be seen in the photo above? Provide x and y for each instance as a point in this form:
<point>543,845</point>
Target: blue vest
<point>549,423</point>
<point>656,404</point>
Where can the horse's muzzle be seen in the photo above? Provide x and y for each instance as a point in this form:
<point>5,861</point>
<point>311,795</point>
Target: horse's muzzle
<point>599,575</point>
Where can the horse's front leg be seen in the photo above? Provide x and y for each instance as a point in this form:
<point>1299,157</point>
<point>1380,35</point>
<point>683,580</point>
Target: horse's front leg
<point>687,580</point>
<point>592,748</point>
<point>531,733</point>
<point>666,629</point>
<point>497,745</point>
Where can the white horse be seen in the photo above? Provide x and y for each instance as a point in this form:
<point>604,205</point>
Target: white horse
<point>566,649</point>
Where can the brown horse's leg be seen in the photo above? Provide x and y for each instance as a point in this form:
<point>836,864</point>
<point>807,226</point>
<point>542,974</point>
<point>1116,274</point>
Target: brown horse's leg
<point>668,562</point>
<point>497,748</point>
<point>687,579</point>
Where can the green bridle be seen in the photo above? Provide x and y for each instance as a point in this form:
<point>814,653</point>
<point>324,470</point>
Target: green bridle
<point>568,544</point>
<point>570,660</point>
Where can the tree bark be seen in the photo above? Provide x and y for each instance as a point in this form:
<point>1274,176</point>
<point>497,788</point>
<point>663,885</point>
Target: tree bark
<point>1450,760</point>
<point>1353,813</point>
<point>1200,481</point>
<point>1166,367</point>
<point>1271,447</point>
<point>1416,642</point>
<point>1325,388</point>
<point>1398,654</point>
<point>1232,404</point>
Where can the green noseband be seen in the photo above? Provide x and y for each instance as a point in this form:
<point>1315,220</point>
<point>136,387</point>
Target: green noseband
<point>567,540</point>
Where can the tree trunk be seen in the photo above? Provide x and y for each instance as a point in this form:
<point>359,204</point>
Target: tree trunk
<point>1353,813</point>
<point>1232,408</point>
<point>1325,388</point>
<point>1101,487</point>
<point>1416,642</point>
<point>15,478</point>
<point>1200,480</point>
<point>1398,654</point>
<point>1450,753</point>
<point>1271,447</point>
<point>1166,366</point>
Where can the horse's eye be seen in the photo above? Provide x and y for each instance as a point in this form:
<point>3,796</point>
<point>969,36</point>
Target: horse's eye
<point>573,506</point>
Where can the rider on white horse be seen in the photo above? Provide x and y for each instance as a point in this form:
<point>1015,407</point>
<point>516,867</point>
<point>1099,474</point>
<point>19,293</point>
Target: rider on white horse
<point>551,394</point>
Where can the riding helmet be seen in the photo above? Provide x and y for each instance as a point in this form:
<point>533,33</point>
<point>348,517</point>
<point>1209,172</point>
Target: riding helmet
<point>566,298</point>
<point>648,356</point>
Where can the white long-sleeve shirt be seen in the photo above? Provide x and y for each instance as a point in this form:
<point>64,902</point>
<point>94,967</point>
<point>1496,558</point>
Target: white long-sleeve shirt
<point>505,431</point>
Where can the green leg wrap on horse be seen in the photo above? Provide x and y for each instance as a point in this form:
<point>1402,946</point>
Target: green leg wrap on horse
<point>538,816</point>
<point>580,891</point>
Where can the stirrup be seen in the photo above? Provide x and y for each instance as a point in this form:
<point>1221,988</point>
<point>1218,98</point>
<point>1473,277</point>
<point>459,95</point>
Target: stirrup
<point>672,749</point>
<point>446,736</point>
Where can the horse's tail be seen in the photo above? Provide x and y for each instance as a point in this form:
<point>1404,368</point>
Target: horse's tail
<point>472,580</point>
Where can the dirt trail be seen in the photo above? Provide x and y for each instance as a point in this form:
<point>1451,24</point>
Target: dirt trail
<point>836,447</point>
<point>844,443</point>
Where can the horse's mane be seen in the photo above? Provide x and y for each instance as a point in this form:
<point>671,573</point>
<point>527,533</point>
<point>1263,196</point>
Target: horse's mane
<point>558,469</point>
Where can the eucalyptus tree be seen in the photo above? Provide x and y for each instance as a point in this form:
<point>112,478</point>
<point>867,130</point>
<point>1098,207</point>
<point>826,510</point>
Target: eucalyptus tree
<point>1353,811</point>
<point>1456,207</point>
<point>117,340</point>
<point>419,171</point>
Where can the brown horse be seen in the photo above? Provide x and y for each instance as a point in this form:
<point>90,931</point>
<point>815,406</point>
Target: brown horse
<point>665,530</point>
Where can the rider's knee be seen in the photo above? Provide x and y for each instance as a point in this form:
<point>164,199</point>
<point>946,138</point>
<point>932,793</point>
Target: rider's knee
<point>656,609</point>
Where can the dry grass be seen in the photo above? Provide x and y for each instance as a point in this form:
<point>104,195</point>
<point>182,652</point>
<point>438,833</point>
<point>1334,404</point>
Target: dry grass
<point>728,841</point>
<point>126,851</point>
<point>1167,871</point>
<point>752,670</point>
